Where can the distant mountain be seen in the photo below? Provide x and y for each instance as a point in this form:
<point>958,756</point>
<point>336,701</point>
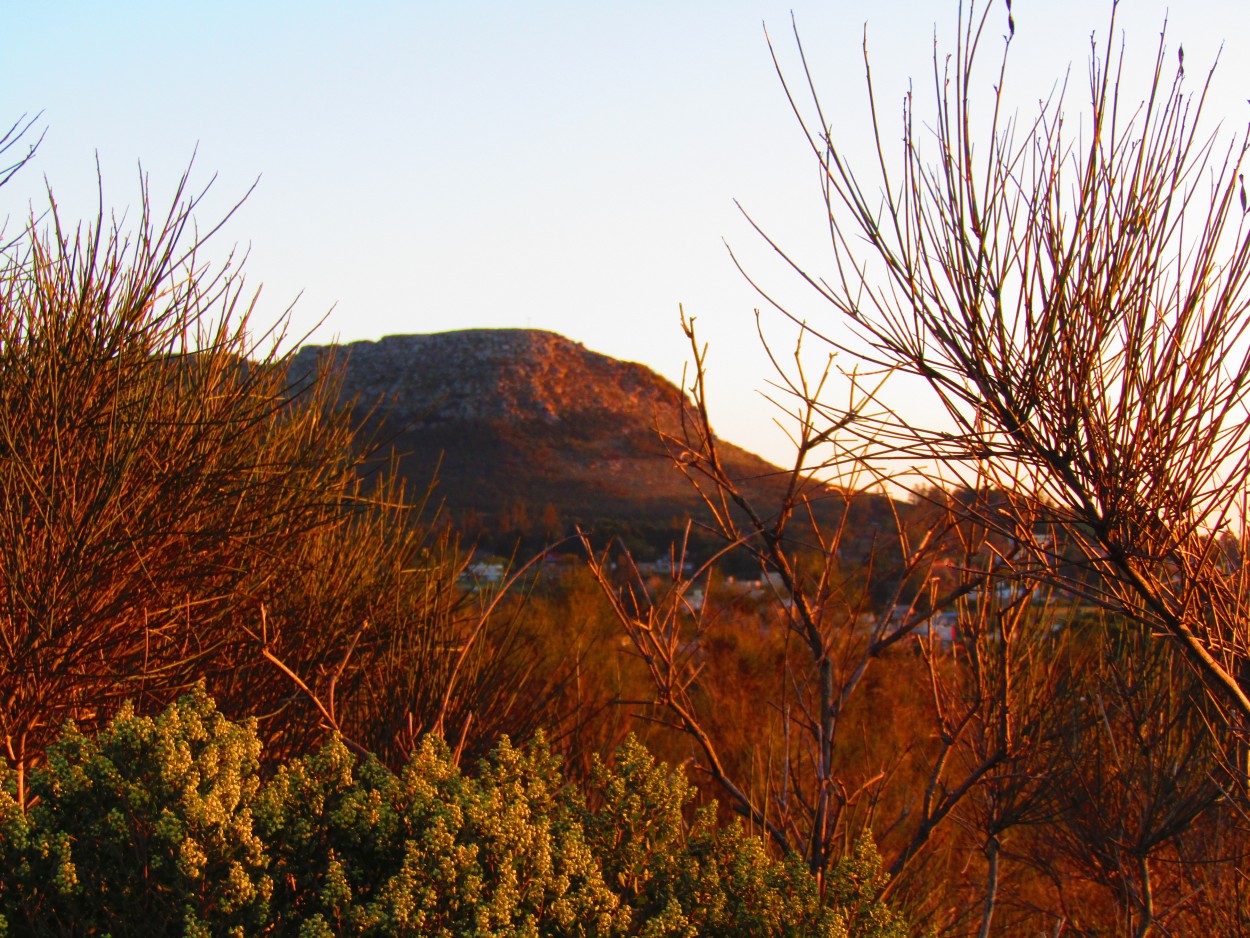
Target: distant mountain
<point>522,422</point>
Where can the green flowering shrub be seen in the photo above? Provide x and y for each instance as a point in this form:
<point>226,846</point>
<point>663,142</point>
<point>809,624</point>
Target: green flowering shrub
<point>701,879</point>
<point>146,829</point>
<point>14,845</point>
<point>854,883</point>
<point>357,850</point>
<point>160,826</point>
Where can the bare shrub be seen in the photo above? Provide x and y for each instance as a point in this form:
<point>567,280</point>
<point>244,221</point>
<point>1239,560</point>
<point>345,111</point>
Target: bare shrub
<point>1076,302</point>
<point>175,506</point>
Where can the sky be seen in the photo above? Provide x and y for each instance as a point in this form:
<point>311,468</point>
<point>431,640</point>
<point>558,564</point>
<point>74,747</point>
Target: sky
<point>571,166</point>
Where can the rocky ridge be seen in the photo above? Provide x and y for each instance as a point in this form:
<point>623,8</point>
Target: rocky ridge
<point>496,374</point>
<point>508,416</point>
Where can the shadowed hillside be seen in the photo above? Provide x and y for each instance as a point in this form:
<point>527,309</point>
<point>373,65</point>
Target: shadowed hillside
<point>509,417</point>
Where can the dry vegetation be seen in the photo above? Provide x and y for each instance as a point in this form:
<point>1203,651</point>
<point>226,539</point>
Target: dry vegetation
<point>1031,692</point>
<point>173,509</point>
<point>1075,760</point>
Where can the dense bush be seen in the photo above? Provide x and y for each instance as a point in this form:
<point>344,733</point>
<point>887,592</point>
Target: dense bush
<point>147,828</point>
<point>178,503</point>
<point>162,826</point>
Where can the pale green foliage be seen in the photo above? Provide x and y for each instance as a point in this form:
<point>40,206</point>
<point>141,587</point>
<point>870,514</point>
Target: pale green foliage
<point>433,851</point>
<point>14,843</point>
<point>683,879</point>
<point>855,881</point>
<point>161,827</point>
<point>150,822</point>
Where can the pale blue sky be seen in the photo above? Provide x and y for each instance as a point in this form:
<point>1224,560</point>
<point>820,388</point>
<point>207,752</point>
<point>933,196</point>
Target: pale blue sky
<point>567,166</point>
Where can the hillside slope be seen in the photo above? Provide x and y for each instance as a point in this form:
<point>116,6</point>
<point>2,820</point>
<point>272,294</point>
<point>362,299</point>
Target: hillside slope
<point>520,416</point>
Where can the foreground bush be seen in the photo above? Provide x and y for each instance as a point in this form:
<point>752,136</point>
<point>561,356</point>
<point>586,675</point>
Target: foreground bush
<point>161,826</point>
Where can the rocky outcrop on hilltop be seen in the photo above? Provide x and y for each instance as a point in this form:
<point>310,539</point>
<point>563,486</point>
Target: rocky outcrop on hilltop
<point>519,415</point>
<point>496,374</point>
